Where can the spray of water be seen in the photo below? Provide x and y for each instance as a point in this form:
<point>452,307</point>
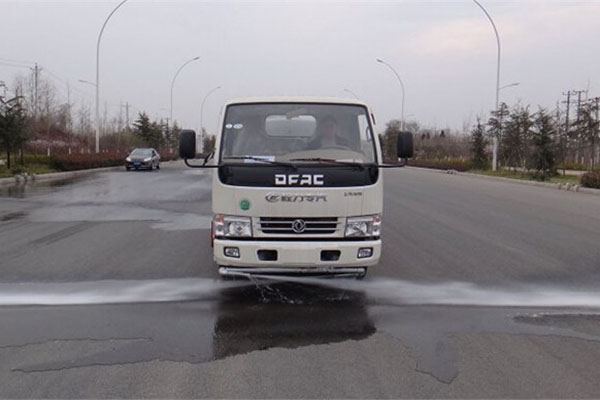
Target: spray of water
<point>112,292</point>
<point>399,292</point>
<point>378,291</point>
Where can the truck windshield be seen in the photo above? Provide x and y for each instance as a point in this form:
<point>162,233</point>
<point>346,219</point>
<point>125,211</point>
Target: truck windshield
<point>299,132</point>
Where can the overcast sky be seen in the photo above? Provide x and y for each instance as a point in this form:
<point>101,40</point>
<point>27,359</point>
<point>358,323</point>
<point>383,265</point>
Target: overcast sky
<point>445,52</point>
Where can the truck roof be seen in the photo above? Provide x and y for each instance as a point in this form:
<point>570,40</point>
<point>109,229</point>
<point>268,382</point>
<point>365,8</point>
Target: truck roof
<point>288,99</point>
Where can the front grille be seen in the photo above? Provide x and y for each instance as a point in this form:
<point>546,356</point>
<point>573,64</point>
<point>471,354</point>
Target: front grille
<point>312,225</point>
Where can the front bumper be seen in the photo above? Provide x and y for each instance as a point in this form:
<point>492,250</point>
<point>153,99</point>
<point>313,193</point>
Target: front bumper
<point>293,257</point>
<point>138,165</point>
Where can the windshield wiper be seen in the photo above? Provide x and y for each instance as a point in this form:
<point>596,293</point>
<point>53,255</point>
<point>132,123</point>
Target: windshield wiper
<point>361,166</point>
<point>260,159</point>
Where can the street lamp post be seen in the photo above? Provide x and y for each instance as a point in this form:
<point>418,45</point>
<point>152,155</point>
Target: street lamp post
<point>352,93</point>
<point>87,82</point>
<point>495,139</point>
<point>508,86</point>
<point>98,74</point>
<point>202,108</point>
<point>401,85</point>
<point>173,83</point>
<point>202,112</point>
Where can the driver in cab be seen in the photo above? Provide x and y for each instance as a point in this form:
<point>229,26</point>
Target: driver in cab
<point>327,135</point>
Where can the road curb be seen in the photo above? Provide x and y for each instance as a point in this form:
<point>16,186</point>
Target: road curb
<point>568,187</point>
<point>53,176</point>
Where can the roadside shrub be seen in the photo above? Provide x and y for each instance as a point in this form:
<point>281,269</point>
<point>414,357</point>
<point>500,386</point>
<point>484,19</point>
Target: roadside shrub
<point>591,180</point>
<point>573,166</point>
<point>577,166</point>
<point>164,156</point>
<point>35,159</point>
<point>73,162</point>
<point>18,170</point>
<point>543,175</point>
<point>450,164</point>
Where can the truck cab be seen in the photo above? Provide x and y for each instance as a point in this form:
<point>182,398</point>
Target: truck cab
<point>297,187</point>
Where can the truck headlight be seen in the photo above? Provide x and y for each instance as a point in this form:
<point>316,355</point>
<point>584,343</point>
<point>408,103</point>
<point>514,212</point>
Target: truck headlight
<point>363,226</point>
<point>232,226</point>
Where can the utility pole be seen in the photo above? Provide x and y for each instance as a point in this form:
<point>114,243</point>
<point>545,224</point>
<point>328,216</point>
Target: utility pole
<point>566,134</point>
<point>595,155</point>
<point>562,138</point>
<point>36,72</point>
<point>579,93</point>
<point>69,106</point>
<point>167,133</point>
<point>127,115</point>
<point>597,100</point>
<point>568,103</point>
<point>121,128</point>
<point>573,93</point>
<point>120,122</point>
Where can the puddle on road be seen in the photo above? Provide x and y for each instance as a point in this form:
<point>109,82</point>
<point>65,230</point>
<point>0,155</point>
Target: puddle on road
<point>198,320</point>
<point>160,219</point>
<point>36,188</point>
<point>12,216</point>
<point>120,196</point>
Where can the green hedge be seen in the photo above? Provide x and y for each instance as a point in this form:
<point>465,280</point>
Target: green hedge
<point>591,180</point>
<point>74,162</point>
<point>577,166</point>
<point>164,156</point>
<point>34,159</point>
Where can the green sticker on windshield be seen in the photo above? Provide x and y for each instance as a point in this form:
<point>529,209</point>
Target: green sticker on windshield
<point>245,204</point>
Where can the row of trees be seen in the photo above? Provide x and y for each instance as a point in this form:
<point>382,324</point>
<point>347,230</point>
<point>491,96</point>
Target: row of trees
<point>154,134</point>
<point>430,144</point>
<point>13,126</point>
<point>527,141</point>
<point>538,141</point>
<point>535,141</point>
<point>34,119</point>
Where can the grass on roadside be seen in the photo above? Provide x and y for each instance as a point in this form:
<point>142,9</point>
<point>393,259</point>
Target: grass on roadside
<point>528,176</point>
<point>30,169</point>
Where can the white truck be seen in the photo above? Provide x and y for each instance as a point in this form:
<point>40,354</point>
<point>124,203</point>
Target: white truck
<point>297,187</point>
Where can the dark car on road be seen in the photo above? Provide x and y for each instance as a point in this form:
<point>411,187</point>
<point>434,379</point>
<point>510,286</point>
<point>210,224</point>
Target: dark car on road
<point>143,158</point>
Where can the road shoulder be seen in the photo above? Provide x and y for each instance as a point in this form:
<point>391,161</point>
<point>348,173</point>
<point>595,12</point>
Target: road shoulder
<point>560,186</point>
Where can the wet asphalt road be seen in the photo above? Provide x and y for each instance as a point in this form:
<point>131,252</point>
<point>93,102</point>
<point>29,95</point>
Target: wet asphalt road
<point>485,289</point>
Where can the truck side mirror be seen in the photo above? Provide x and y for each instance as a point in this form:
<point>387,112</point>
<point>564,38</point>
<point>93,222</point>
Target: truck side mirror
<point>187,144</point>
<point>405,145</point>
